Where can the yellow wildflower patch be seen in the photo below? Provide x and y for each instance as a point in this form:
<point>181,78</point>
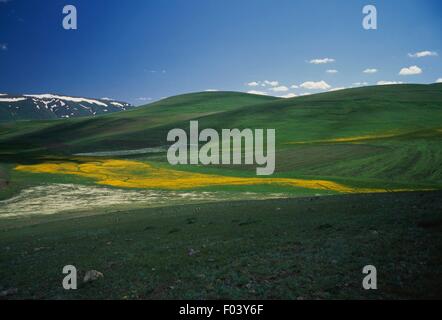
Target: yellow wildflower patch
<point>349,139</point>
<point>367,137</point>
<point>134,174</point>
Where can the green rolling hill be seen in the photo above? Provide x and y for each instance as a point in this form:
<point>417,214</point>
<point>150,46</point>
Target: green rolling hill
<point>379,110</point>
<point>134,129</point>
<point>278,242</point>
<point>381,133</point>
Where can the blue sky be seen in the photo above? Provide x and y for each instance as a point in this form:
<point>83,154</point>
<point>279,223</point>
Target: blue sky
<point>139,50</point>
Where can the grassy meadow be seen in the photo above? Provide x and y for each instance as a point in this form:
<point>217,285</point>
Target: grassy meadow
<point>358,181</point>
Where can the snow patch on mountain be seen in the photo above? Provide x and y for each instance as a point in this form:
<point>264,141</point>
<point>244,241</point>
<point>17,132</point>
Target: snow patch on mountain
<point>52,106</point>
<point>66,98</point>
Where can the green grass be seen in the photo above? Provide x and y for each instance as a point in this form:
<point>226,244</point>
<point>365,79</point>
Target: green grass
<point>412,112</point>
<point>309,247</point>
<point>275,249</point>
<point>130,129</point>
<point>330,115</point>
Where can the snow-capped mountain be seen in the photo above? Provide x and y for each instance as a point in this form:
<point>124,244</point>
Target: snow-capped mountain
<point>51,106</point>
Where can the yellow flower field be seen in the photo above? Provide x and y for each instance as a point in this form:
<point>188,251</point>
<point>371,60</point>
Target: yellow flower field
<point>134,174</point>
<point>349,139</point>
<point>361,138</point>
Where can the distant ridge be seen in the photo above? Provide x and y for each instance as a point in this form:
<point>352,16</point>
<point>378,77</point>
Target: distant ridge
<point>52,106</point>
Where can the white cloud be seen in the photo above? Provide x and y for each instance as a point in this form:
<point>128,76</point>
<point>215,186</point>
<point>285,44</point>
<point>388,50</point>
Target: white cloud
<point>3,46</point>
<point>439,80</point>
<point>280,89</point>
<point>321,61</point>
<point>294,86</point>
<point>261,93</point>
<point>144,99</point>
<point>305,94</point>
<point>337,89</point>
<point>384,83</point>
<point>288,95</point>
<point>211,90</point>
<point>12,99</point>
<point>253,84</point>
<point>271,83</point>
<point>370,70</point>
<point>311,85</point>
<point>332,71</point>
<point>360,84</point>
<point>422,54</point>
<point>155,71</point>
<point>410,71</point>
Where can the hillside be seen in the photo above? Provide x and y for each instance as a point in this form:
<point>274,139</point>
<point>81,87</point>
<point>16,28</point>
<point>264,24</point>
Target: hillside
<point>129,129</point>
<point>374,137</point>
<point>50,106</point>
<point>357,182</point>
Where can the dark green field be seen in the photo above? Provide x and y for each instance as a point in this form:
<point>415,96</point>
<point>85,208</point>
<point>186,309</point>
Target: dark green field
<point>307,243</point>
<point>310,248</point>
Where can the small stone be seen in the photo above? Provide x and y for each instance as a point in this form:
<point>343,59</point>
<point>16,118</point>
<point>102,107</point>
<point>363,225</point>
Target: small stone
<point>92,275</point>
<point>192,252</point>
<point>8,292</point>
